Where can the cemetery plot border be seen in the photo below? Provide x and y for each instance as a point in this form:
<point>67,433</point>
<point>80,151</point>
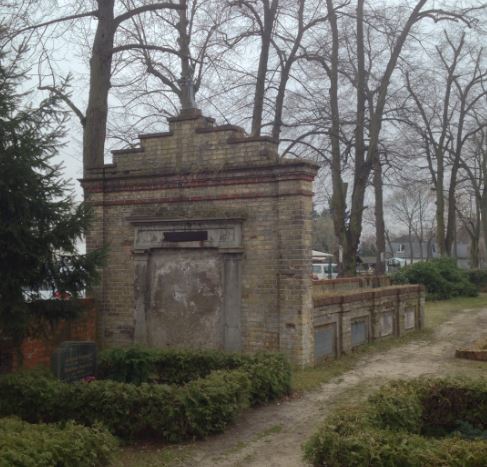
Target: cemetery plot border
<point>205,402</point>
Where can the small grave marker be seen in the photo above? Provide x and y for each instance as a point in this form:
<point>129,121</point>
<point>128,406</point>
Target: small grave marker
<point>387,323</point>
<point>325,341</point>
<point>409,319</point>
<point>74,360</point>
<point>360,331</point>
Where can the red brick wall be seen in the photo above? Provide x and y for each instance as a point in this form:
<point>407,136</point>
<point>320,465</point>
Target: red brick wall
<point>37,352</point>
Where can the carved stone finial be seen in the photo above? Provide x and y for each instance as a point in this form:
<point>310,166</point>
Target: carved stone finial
<point>186,84</point>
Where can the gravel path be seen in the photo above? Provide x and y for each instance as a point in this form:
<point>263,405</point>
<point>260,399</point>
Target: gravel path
<point>272,436</point>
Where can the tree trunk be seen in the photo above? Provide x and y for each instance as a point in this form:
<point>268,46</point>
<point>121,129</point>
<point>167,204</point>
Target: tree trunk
<point>100,72</point>
<point>186,96</point>
<point>483,216</point>
<point>411,252</point>
<point>440,214</point>
<point>286,70</point>
<point>380,237</point>
<point>268,24</point>
<point>475,251</point>
<point>338,200</point>
<point>281,92</point>
<point>451,226</point>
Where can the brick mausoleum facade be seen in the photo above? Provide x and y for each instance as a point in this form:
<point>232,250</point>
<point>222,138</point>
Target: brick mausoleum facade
<point>209,237</point>
<point>209,246</point>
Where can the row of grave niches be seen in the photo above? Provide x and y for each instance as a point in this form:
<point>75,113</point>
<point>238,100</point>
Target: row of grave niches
<point>330,341</point>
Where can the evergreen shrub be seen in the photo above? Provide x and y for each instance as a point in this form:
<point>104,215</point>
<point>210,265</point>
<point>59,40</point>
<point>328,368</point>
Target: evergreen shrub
<point>478,277</point>
<point>165,394</point>
<point>424,422</point>
<point>269,373</point>
<point>169,412</point>
<point>442,278</point>
<point>69,445</point>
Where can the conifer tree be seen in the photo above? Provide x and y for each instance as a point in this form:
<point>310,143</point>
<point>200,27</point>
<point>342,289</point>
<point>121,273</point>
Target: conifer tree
<point>40,224</point>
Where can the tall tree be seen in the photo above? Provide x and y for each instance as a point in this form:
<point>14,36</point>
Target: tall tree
<point>368,118</point>
<point>40,224</point>
<point>103,50</point>
<point>448,121</point>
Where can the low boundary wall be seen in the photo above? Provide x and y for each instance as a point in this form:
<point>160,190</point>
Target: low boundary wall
<point>327,286</point>
<point>37,351</point>
<point>343,322</point>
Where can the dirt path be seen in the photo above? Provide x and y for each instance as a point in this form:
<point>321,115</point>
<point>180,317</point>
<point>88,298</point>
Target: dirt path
<point>272,436</point>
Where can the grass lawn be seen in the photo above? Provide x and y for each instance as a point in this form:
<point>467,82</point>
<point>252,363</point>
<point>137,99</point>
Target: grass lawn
<point>435,313</point>
<point>439,311</point>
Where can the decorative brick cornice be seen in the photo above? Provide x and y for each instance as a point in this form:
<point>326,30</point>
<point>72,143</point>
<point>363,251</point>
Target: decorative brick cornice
<point>218,128</point>
<point>128,151</point>
<point>230,177</point>
<point>196,199</point>
<point>162,134</point>
<point>251,139</point>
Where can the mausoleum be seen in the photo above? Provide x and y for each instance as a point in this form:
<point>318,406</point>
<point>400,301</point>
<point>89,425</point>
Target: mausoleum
<point>209,234</point>
<point>209,242</point>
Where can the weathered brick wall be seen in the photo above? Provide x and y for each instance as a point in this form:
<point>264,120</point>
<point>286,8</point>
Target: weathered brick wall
<point>401,307</point>
<point>201,171</point>
<point>37,351</point>
<point>327,286</point>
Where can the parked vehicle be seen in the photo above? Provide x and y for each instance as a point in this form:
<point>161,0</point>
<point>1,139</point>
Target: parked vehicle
<point>325,271</point>
<point>394,264</point>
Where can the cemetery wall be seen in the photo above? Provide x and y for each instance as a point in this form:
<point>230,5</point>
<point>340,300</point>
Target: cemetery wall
<point>325,286</point>
<point>37,351</point>
<point>343,321</point>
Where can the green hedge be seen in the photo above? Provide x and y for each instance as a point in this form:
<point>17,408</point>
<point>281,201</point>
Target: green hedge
<point>69,445</point>
<point>411,424</point>
<point>171,413</point>
<point>478,277</point>
<point>176,395</point>
<point>442,278</point>
<point>269,373</point>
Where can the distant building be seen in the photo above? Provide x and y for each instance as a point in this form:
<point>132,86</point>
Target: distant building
<point>413,251</point>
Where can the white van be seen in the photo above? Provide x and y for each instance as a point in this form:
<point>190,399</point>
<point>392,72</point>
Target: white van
<point>322,271</point>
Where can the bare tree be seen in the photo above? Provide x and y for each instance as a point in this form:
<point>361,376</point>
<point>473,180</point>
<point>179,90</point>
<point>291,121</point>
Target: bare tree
<point>162,78</point>
<point>473,210</point>
<point>279,32</point>
<point>411,207</point>
<point>365,143</point>
<point>448,122</point>
<point>104,47</point>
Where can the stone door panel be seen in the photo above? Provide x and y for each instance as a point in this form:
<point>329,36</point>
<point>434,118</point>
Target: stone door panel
<point>185,308</point>
<point>325,342</point>
<point>360,331</point>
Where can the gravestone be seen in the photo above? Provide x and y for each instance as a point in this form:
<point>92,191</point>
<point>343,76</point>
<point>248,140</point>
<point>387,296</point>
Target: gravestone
<point>74,360</point>
<point>387,324</point>
<point>360,332</point>
<point>410,318</point>
<point>325,341</point>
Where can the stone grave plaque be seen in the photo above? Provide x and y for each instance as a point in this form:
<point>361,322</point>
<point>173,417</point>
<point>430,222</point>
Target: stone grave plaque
<point>410,318</point>
<point>74,360</point>
<point>387,323</point>
<point>360,332</point>
<point>325,341</point>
